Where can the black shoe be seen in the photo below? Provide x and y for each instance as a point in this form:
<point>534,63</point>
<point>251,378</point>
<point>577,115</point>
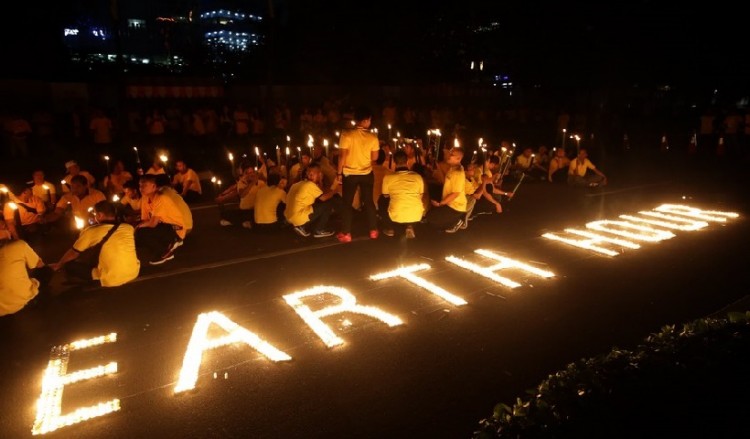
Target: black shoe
<point>323,233</point>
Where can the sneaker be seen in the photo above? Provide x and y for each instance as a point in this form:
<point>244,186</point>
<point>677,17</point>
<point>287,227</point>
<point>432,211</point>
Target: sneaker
<point>344,237</point>
<point>172,247</point>
<point>167,257</point>
<point>410,233</point>
<point>374,234</point>
<point>225,223</point>
<point>323,233</point>
<point>300,230</point>
<point>455,228</point>
<point>247,224</point>
<point>389,232</point>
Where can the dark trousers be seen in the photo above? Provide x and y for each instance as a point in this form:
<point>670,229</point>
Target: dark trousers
<point>365,184</point>
<point>152,242</point>
<point>190,197</point>
<point>444,216</point>
<point>319,217</point>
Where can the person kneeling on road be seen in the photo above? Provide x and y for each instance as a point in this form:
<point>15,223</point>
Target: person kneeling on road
<point>162,228</point>
<point>103,252</point>
<point>308,206</point>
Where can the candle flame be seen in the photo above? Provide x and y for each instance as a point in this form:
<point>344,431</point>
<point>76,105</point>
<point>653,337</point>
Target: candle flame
<point>231,156</point>
<point>325,143</point>
<point>106,157</point>
<point>481,141</point>
<point>288,139</point>
<point>164,158</point>
<point>455,142</point>
<point>115,198</point>
<point>79,223</point>
<point>213,179</point>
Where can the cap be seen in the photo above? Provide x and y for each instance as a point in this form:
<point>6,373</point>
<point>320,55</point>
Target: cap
<point>70,163</point>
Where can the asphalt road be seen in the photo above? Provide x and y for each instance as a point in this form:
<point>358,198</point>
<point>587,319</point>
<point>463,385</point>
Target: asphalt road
<point>434,376</point>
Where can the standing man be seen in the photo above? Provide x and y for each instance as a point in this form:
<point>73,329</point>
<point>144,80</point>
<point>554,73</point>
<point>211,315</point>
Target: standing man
<point>359,148</point>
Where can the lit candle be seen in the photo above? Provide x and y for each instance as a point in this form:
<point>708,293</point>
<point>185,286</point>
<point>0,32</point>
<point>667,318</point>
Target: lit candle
<point>230,156</point>
<point>325,145</point>
<point>287,153</point>
<point>257,156</point>
<point>79,223</point>
<point>278,155</point>
<point>563,142</point>
<point>137,157</point>
<point>49,194</point>
<point>106,159</point>
<point>299,153</point>
<point>455,142</point>
<point>389,130</point>
<point>115,198</point>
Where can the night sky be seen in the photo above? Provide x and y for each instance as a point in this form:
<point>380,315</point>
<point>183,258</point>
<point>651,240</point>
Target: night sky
<point>391,42</point>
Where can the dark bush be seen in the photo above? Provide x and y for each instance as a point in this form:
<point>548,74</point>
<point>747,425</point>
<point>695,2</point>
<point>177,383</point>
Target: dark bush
<point>693,382</point>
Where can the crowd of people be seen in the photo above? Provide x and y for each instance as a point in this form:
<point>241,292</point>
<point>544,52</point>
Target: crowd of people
<point>129,219</point>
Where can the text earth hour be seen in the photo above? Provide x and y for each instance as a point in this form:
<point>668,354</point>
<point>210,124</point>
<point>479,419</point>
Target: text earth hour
<point>627,232</point>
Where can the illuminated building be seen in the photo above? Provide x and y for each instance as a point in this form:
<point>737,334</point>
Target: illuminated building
<point>164,35</point>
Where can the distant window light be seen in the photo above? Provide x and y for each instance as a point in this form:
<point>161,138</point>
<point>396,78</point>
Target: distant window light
<point>136,23</point>
<point>69,32</point>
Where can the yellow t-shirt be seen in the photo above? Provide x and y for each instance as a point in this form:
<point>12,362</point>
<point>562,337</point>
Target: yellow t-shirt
<point>361,144</point>
<point>187,214</point>
<point>118,263</point>
<point>299,202</point>
<point>579,168</point>
<point>266,203</point>
<point>405,189</point>
<point>248,201</point>
<point>16,288</point>
<point>40,192</point>
<point>189,175</point>
<point>162,206</point>
<point>523,162</point>
<point>80,206</point>
<point>134,203</point>
<point>471,186</point>
<point>24,213</point>
<point>455,181</point>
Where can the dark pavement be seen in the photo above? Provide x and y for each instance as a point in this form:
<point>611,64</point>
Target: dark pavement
<point>434,376</point>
